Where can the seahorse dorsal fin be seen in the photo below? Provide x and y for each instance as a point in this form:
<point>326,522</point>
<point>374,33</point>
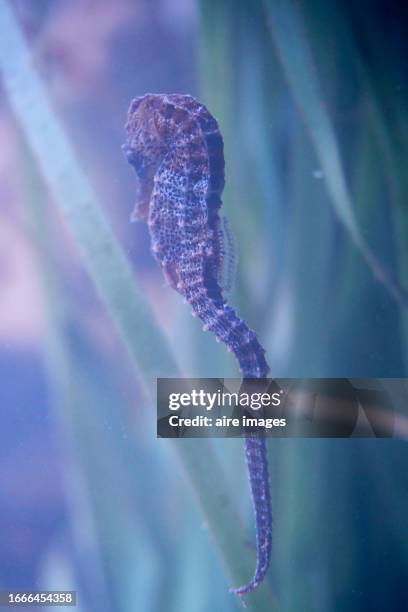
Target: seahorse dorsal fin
<point>229,257</point>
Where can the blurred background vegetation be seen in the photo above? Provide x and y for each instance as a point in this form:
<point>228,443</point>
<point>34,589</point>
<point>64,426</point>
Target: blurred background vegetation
<point>312,101</point>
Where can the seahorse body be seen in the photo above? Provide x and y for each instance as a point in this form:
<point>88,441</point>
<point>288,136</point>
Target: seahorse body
<point>176,149</point>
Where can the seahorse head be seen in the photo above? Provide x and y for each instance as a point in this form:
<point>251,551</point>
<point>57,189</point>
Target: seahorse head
<point>145,146</point>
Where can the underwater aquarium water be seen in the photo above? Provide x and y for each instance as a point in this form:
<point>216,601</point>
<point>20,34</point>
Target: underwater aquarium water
<point>311,100</point>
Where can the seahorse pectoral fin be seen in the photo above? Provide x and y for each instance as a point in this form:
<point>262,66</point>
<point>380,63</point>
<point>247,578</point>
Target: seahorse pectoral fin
<point>144,190</point>
<point>171,276</point>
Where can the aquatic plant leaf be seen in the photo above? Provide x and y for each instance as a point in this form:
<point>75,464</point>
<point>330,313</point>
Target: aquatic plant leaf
<point>297,61</point>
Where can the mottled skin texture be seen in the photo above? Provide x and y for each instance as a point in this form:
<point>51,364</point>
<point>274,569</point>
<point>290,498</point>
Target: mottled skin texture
<point>176,149</point>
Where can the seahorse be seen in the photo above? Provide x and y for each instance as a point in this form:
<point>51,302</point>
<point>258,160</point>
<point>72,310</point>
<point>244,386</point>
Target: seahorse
<point>175,146</point>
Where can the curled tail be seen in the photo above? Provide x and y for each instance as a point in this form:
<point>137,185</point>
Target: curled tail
<point>257,462</point>
<point>223,321</point>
